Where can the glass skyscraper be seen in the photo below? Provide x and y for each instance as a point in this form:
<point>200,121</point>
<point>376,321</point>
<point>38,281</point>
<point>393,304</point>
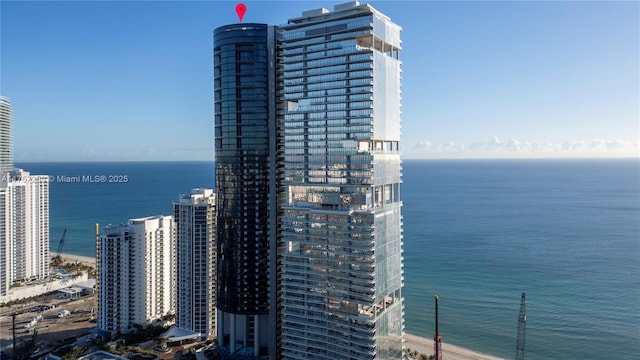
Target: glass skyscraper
<point>308,173</point>
<point>245,142</point>
<point>342,272</point>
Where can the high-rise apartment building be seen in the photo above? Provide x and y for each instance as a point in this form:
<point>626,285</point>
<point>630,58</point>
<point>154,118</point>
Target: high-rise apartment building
<point>4,256</point>
<point>24,214</point>
<point>308,174</point>
<point>246,111</point>
<point>6,164</point>
<point>136,266</point>
<point>194,221</point>
<point>6,145</point>
<point>342,273</point>
<point>24,232</point>
<point>114,277</point>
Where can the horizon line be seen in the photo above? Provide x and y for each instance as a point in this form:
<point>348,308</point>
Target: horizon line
<point>403,159</point>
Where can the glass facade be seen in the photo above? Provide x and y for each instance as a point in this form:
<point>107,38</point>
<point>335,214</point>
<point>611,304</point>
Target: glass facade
<point>341,228</point>
<point>242,167</point>
<point>245,144</point>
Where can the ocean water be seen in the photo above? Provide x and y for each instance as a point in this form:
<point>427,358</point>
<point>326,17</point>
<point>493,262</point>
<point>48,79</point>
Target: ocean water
<point>477,233</point>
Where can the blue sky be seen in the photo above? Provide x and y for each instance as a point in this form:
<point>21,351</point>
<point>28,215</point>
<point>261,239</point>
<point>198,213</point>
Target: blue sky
<point>102,81</point>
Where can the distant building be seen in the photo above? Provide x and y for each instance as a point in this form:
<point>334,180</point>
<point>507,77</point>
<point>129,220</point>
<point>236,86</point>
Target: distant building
<point>24,214</point>
<point>6,164</point>
<point>194,217</point>
<point>24,227</point>
<point>6,145</point>
<point>136,269</point>
<point>114,278</point>
<point>153,242</point>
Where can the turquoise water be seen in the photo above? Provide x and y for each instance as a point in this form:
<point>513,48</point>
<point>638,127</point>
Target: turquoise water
<point>477,233</point>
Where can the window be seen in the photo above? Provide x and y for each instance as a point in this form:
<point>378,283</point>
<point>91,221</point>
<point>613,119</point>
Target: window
<point>245,55</point>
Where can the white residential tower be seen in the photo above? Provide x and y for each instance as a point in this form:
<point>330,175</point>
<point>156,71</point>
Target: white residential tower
<point>194,217</point>
<point>136,266</point>
<point>24,227</point>
<point>6,145</point>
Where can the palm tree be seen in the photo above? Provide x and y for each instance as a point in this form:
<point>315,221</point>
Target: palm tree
<point>162,343</point>
<point>56,261</point>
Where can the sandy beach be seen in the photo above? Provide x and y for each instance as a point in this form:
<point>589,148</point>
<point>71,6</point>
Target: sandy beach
<point>450,352</point>
<point>420,344</point>
<point>86,260</point>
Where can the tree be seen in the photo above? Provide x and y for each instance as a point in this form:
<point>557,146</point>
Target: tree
<point>56,261</point>
<point>75,353</point>
<point>162,343</point>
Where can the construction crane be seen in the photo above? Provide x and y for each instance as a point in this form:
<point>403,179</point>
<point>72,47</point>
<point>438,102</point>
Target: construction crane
<point>522,328</point>
<point>437,338</point>
<point>61,244</point>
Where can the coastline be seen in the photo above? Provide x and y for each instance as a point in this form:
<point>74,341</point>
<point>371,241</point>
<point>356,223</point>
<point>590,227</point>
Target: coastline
<point>69,258</point>
<point>414,342</point>
<point>450,352</point>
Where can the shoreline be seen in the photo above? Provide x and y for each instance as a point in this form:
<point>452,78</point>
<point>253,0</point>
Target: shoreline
<point>70,258</point>
<point>449,351</point>
<point>414,342</point>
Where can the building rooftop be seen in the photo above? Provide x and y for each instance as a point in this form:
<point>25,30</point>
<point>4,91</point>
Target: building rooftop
<point>87,284</point>
<point>346,9</point>
<point>101,355</point>
<point>177,334</point>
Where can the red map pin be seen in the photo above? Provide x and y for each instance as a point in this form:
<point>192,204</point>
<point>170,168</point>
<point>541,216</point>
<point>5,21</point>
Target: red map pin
<point>241,9</point>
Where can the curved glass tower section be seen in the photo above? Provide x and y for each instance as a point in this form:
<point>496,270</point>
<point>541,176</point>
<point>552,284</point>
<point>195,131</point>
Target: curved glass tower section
<point>245,135</point>
<point>342,270</point>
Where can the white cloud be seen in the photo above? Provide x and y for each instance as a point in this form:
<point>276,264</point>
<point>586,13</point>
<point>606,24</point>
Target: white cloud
<point>517,148</point>
<point>423,146</point>
<point>448,147</point>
